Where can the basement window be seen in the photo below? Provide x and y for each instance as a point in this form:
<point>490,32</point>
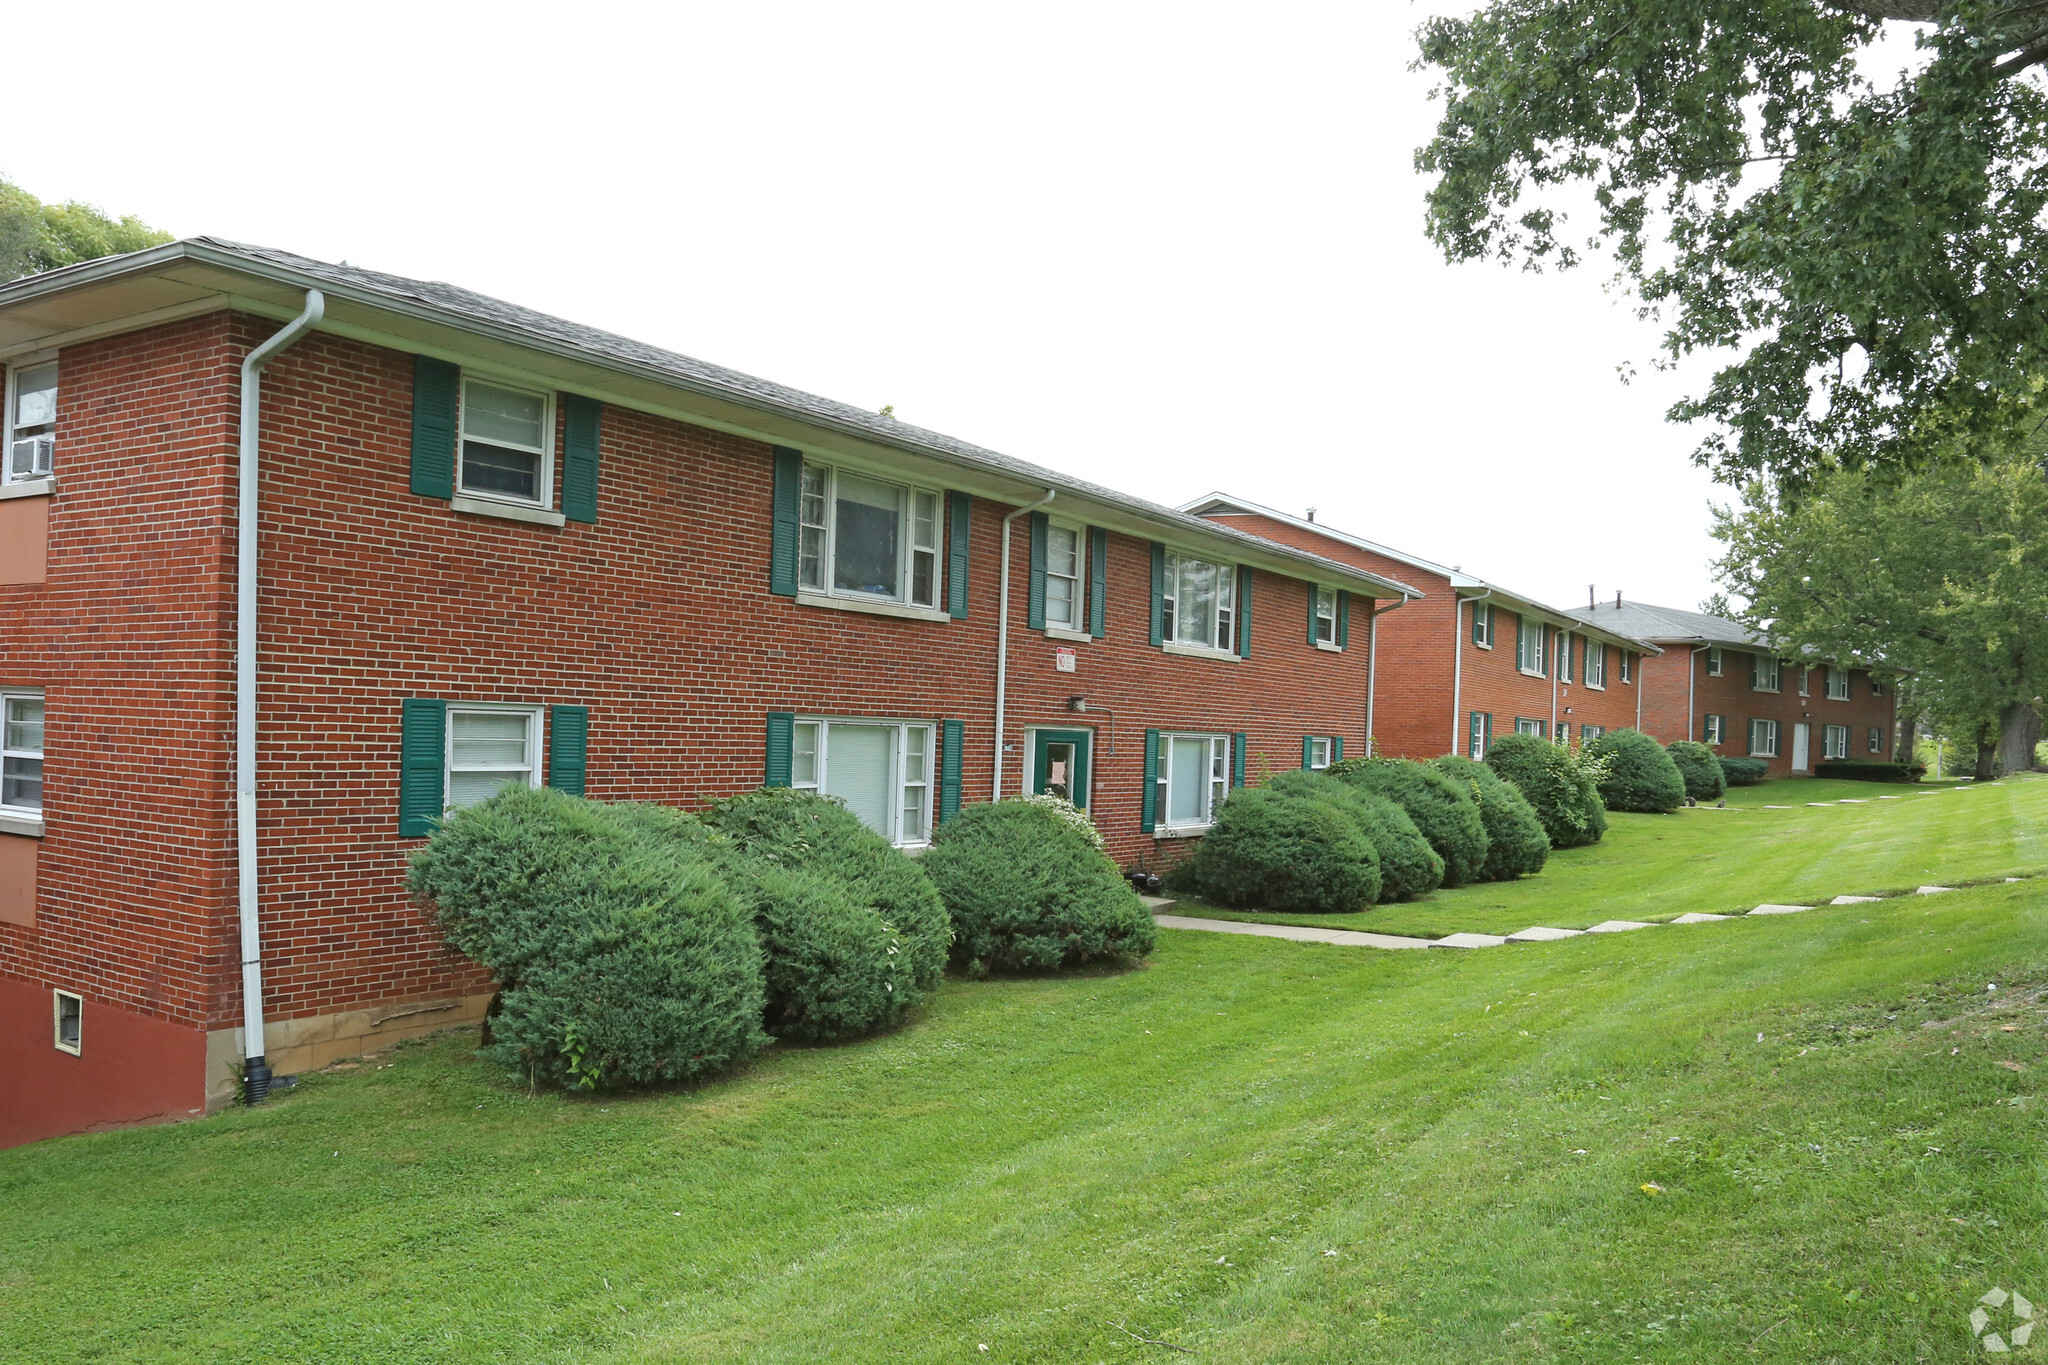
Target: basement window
<point>31,422</point>
<point>70,1022</point>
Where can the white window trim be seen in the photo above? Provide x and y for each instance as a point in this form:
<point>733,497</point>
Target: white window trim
<point>897,782</point>
<point>24,819</point>
<point>57,998</point>
<point>1590,650</point>
<point>1227,575</point>
<point>1805,682</point>
<point>1713,661</point>
<point>1627,673</point>
<point>1331,643</point>
<point>35,485</point>
<point>535,757</point>
<point>1537,728</point>
<point>1201,652</point>
<point>1079,627</point>
<point>1774,731</point>
<point>1541,634</point>
<point>1328,747</point>
<point>825,595</point>
<point>1717,729</point>
<point>499,504</point>
<point>1873,740</point>
<point>1482,611</point>
<point>1827,733</point>
<point>1163,825</point>
<point>1829,685</point>
<point>1778,686</point>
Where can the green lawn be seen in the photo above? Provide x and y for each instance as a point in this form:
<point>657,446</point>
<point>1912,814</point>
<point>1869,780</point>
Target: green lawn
<point>1657,867</point>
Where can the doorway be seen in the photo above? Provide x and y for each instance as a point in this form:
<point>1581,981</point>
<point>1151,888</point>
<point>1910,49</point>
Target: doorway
<point>1802,743</point>
<point>1059,764</point>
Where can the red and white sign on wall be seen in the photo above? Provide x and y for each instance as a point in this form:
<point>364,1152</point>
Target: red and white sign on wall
<point>1063,660</point>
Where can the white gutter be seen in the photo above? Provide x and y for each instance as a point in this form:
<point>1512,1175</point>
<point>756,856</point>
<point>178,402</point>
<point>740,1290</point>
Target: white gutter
<point>1458,666</point>
<point>256,1074</point>
<point>1372,667</point>
<point>1003,640</point>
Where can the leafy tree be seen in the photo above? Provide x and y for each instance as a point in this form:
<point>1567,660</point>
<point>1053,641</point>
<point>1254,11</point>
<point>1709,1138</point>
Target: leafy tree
<point>1943,573</point>
<point>1872,251</point>
<point>35,236</point>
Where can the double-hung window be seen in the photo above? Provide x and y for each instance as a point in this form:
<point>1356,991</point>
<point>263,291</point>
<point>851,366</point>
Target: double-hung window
<point>1765,674</point>
<point>1529,727</point>
<point>1326,616</point>
<point>868,538</point>
<point>31,422</point>
<point>1591,732</point>
<point>1876,739</point>
<point>1713,661</point>
<point>1838,684</point>
<point>1194,778</point>
<point>1200,606</point>
<point>1319,748</point>
<point>21,753</point>
<point>1627,667</point>
<point>1716,729</point>
<point>1834,741</point>
<point>507,443</point>
<point>1561,732</point>
<point>1596,665</point>
<point>1482,624</point>
<point>1876,688</point>
<point>1529,647</point>
<point>491,748</point>
<point>881,769</point>
<point>1563,652</point>
<point>1062,577</point>
<point>1763,739</point>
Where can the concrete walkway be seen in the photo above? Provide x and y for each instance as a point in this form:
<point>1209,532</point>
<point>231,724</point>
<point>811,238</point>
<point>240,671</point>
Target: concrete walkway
<point>1348,937</point>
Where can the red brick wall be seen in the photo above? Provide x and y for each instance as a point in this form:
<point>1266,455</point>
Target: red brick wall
<point>1665,706</point>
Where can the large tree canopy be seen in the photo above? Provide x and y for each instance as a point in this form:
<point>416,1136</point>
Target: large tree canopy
<point>1870,252</point>
<point>35,236</point>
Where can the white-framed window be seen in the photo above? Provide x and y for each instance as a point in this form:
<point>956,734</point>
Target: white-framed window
<point>31,425</point>
<point>1529,647</point>
<point>1200,607</point>
<point>1062,577</point>
<point>489,748</point>
<point>1596,665</point>
<point>1194,779</point>
<point>1876,739</point>
<point>881,769</point>
<point>1561,655</point>
<point>1763,739</point>
<point>1834,741</point>
<point>1319,749</point>
<point>1767,677</point>
<point>1713,661</point>
<point>1561,732</point>
<point>1591,732</point>
<point>1478,735</point>
<point>1482,624</point>
<point>865,537</point>
<point>21,752</point>
<point>508,443</point>
<point>1326,616</point>
<point>1530,727</point>
<point>1876,687</point>
<point>1716,729</point>
<point>1805,682</point>
<point>1627,667</point>
<point>1838,684</point>
<point>69,1009</point>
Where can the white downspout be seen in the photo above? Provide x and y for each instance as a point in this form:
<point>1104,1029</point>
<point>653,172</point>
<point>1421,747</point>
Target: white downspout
<point>1458,667</point>
<point>1553,661</point>
<point>1692,668</point>
<point>1003,639</point>
<point>255,1072</point>
<point>1372,667</point>
<point>1635,676</point>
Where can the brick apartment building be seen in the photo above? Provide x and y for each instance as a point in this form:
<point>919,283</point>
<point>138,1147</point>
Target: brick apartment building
<point>1717,681</point>
<point>1470,659</point>
<point>491,546</point>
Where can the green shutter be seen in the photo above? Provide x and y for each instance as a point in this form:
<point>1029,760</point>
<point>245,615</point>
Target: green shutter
<point>1478,627</point>
<point>782,547</point>
<point>953,734</point>
<point>1244,614</point>
<point>1489,724</point>
<point>579,458</point>
<point>1149,807</point>
<point>568,747</point>
<point>1521,655</point>
<point>1343,618</point>
<point>781,743</point>
<point>959,520</point>
<point>1158,598</point>
<point>1034,610</point>
<point>422,735</point>
<point>1098,581</point>
<point>1472,747</point>
<point>1308,750</point>
<point>1237,759</point>
<point>1313,593</point>
<point>436,386</point>
<point>1336,748</point>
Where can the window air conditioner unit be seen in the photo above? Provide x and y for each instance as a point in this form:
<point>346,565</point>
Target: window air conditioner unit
<point>29,457</point>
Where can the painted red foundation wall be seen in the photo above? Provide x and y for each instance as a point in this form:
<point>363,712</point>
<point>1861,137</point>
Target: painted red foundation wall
<point>132,1069</point>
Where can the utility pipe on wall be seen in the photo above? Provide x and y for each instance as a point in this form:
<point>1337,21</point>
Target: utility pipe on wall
<point>1692,668</point>
<point>1458,665</point>
<point>255,1072</point>
<point>1003,640</point>
<point>1372,666</point>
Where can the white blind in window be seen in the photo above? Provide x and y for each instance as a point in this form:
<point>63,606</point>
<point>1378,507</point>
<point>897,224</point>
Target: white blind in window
<point>858,770</point>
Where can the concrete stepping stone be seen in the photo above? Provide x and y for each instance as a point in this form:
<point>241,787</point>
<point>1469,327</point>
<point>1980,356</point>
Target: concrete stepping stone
<point>2014,879</point>
<point>1854,801</point>
<point>1854,900</point>
<point>1891,798</point>
<point>1294,933</point>
<point>1820,803</point>
<point>1697,917</point>
<point>1536,933</point>
<point>1768,909</point>
<point>1619,926</point>
<point>1468,941</point>
<point>1777,808</point>
<point>1932,890</point>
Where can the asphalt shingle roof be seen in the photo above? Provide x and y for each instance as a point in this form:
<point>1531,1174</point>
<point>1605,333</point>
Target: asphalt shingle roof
<point>1665,624</point>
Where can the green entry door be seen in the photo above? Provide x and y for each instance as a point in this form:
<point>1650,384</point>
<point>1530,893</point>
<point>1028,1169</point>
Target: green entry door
<point>1061,764</point>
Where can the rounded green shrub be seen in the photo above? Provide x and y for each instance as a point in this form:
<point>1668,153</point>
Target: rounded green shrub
<point>1029,891</point>
<point>1701,770</point>
<point>1640,776</point>
<point>1409,867</point>
<point>1442,809</point>
<point>854,932</point>
<point>1745,772</point>
<point>1269,850</point>
<point>621,960</point>
<point>1560,786</point>
<point>1515,842</point>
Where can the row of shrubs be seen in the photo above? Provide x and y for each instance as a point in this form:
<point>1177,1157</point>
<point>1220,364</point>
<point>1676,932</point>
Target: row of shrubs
<point>635,944</point>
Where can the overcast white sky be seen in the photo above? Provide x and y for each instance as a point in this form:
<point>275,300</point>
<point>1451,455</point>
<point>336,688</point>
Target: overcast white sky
<point>1171,248</point>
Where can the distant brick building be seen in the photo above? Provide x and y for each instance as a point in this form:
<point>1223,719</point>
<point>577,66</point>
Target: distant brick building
<point>492,547</point>
<point>1719,682</point>
<point>1471,659</point>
